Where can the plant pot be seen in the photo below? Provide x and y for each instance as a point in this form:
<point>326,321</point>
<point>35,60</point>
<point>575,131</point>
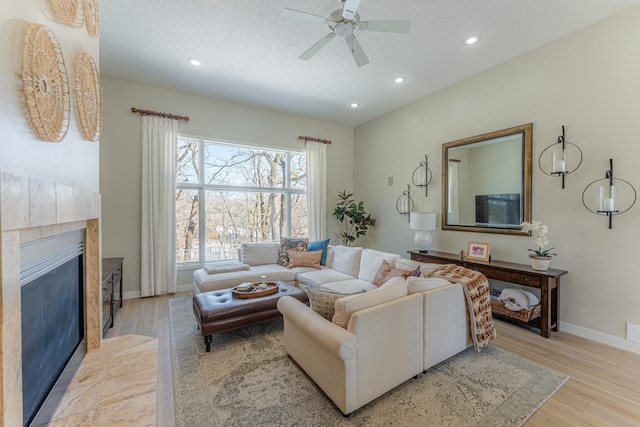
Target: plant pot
<point>540,263</point>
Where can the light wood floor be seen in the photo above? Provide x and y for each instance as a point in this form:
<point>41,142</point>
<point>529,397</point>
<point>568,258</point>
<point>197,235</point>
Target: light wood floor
<point>603,389</point>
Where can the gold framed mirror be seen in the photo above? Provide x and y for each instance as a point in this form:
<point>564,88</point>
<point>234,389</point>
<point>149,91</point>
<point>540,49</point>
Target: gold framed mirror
<point>486,182</point>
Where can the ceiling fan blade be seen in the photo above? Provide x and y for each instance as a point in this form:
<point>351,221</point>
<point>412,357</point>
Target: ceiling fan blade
<point>316,47</point>
<point>296,14</point>
<point>388,26</point>
<point>356,50</point>
<point>350,8</point>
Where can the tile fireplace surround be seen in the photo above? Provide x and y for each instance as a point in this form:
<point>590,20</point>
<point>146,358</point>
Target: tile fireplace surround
<point>32,209</point>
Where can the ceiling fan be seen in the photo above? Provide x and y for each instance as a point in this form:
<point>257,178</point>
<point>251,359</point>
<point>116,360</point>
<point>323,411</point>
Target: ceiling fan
<point>345,21</point>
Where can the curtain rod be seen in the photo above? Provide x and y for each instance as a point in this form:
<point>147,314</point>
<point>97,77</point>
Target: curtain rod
<point>455,160</point>
<point>156,113</point>
<point>310,138</point>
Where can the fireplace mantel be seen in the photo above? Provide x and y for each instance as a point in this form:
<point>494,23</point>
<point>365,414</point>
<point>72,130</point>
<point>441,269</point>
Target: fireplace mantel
<point>32,209</point>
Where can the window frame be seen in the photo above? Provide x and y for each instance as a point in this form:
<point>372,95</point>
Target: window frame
<point>202,188</point>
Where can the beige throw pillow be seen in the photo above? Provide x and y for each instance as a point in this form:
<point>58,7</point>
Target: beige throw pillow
<point>304,259</point>
<point>345,307</point>
<point>323,302</point>
<point>388,271</point>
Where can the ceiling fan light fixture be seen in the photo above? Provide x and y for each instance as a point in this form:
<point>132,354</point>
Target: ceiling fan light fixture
<point>399,80</point>
<point>195,62</point>
<point>354,105</point>
<point>472,40</point>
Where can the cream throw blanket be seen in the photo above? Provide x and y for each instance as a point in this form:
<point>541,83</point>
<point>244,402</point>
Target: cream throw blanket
<point>478,295</point>
<point>225,267</point>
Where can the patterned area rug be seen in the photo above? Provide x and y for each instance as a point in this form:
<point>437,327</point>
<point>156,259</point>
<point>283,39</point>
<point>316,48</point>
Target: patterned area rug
<point>248,380</point>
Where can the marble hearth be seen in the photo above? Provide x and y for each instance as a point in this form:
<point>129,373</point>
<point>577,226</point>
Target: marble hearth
<point>32,209</point>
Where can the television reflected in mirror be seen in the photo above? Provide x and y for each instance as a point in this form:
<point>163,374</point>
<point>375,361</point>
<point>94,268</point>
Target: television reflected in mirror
<point>487,182</point>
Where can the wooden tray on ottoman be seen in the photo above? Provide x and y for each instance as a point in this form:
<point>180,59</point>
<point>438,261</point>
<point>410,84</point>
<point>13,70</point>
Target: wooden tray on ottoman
<point>524,315</point>
<point>272,288</point>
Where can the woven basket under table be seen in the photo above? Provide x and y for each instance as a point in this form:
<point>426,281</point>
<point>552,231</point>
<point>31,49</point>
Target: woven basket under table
<point>524,315</point>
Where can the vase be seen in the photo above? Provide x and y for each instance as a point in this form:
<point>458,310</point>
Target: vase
<point>540,263</point>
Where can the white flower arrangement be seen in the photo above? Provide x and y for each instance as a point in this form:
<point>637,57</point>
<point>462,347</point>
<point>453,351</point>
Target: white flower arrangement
<point>541,238</point>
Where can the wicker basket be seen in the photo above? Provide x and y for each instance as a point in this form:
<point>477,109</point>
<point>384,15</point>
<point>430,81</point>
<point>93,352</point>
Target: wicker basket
<point>524,315</point>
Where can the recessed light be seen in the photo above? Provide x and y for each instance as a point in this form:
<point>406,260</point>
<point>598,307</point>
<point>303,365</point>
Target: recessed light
<point>472,40</point>
<point>195,62</point>
<point>399,80</point>
<point>354,105</point>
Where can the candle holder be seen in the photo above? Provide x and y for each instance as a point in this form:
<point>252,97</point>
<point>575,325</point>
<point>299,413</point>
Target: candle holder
<point>404,204</point>
<point>559,158</point>
<point>603,196</point>
<point>421,176</point>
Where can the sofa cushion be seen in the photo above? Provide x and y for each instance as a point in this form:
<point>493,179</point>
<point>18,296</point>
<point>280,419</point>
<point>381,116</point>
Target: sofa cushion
<point>346,259</point>
<point>259,253</point>
<point>408,264</point>
<point>315,279</point>
<point>370,262</point>
<point>304,258</point>
<point>322,245</point>
<point>388,271</point>
<point>287,243</point>
<point>348,287</point>
<point>204,282</point>
<point>323,302</point>
<point>423,284</point>
<point>345,307</point>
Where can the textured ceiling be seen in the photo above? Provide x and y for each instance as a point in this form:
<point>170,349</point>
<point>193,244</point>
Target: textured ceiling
<point>250,51</point>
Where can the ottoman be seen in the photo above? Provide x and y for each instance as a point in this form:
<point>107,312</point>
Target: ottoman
<point>218,311</point>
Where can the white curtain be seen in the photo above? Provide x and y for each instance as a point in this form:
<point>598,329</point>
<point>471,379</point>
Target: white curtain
<point>158,244</point>
<point>452,194</point>
<point>317,190</point>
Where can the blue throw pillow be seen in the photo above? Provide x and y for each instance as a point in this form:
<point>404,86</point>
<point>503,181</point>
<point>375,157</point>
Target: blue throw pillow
<point>320,245</point>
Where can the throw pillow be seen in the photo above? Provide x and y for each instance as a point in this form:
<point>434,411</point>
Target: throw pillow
<point>323,302</point>
<point>346,259</point>
<point>320,245</point>
<point>287,243</point>
<point>345,307</point>
<point>259,253</point>
<point>388,271</point>
<point>370,262</point>
<point>304,258</point>
<point>425,267</point>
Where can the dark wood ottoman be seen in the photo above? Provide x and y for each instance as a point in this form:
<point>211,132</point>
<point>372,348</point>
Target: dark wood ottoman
<point>218,311</point>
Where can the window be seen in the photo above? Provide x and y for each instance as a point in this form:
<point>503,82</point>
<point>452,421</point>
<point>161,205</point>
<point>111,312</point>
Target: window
<point>229,194</point>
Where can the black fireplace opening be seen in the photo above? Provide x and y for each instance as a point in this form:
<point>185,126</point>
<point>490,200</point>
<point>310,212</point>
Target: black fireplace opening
<point>52,326</point>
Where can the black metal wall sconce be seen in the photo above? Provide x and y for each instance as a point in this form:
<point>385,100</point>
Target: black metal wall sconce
<point>404,204</point>
<point>603,196</point>
<point>422,176</point>
<point>560,158</point>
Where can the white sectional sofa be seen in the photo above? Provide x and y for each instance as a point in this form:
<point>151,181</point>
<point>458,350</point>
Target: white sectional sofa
<point>348,270</point>
<point>386,341</point>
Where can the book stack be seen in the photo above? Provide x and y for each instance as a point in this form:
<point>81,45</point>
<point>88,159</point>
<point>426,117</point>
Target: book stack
<point>244,287</point>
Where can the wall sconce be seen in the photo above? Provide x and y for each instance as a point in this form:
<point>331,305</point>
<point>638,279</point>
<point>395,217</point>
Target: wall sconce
<point>404,204</point>
<point>603,196</point>
<point>560,158</point>
<point>421,176</point>
<point>423,222</point>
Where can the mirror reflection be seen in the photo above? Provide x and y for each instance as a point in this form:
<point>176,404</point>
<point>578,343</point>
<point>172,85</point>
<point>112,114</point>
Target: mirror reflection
<point>487,182</point>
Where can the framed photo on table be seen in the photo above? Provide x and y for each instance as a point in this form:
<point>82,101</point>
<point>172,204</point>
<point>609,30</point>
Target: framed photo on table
<point>478,251</point>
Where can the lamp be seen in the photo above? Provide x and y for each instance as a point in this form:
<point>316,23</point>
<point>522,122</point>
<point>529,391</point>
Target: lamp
<point>422,221</point>
<point>560,159</point>
<point>404,204</point>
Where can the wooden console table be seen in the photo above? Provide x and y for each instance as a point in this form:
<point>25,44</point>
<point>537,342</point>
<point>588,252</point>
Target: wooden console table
<point>547,281</point>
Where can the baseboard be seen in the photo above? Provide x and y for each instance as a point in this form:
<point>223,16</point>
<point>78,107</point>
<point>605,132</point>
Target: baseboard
<point>600,337</point>
<point>136,294</point>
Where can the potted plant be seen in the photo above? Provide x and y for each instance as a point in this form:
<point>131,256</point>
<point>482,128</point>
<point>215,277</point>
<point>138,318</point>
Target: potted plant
<point>541,257</point>
<point>353,215</point>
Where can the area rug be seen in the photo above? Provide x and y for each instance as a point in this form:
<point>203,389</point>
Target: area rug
<point>248,380</point>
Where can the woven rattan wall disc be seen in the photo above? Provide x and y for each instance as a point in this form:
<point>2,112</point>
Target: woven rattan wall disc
<point>45,84</point>
<point>88,96</point>
<point>67,12</point>
<point>91,17</point>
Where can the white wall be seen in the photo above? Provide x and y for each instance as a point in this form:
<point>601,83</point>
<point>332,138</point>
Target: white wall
<point>589,82</point>
<point>120,156</point>
<point>73,161</point>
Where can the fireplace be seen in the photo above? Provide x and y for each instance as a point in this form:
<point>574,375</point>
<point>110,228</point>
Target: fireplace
<point>52,306</point>
<point>33,210</point>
